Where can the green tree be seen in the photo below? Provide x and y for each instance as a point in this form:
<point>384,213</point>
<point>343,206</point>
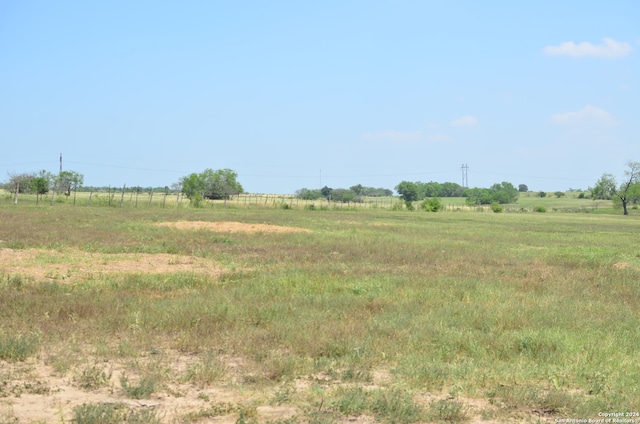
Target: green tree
<point>192,186</point>
<point>326,192</point>
<point>629,192</point>
<point>504,193</point>
<point>40,184</point>
<point>307,194</point>
<point>343,195</point>
<point>68,181</point>
<point>559,194</point>
<point>522,188</point>
<point>220,184</point>
<point>605,188</point>
<point>408,191</point>
<point>357,189</point>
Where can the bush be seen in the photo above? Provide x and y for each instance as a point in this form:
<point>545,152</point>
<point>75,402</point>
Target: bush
<point>496,207</point>
<point>431,205</point>
<point>541,209</point>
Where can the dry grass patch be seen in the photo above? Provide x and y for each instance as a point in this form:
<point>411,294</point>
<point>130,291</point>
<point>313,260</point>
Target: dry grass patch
<point>75,265</point>
<point>232,227</point>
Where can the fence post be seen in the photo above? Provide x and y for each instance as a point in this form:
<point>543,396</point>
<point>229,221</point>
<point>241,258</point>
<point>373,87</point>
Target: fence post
<point>122,197</point>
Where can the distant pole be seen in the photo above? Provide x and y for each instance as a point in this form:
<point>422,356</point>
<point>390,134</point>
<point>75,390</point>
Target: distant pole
<point>60,163</point>
<point>465,176</point>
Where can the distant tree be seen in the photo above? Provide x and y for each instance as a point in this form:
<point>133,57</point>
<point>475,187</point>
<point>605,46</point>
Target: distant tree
<point>499,193</point>
<point>40,184</point>
<point>220,184</point>
<point>68,181</point>
<point>522,188</point>
<point>629,191</point>
<point>307,194</point>
<point>559,194</point>
<point>408,191</point>
<point>21,182</point>
<point>357,189</point>
<point>504,193</point>
<point>343,195</point>
<point>605,188</point>
<point>192,185</point>
<point>542,194</point>
<point>376,192</point>
<point>326,192</point>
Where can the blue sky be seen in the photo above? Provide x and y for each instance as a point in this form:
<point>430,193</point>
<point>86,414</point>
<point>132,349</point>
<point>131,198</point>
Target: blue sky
<point>294,94</point>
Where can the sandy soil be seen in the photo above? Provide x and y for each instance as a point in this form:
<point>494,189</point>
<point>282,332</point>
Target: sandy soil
<point>231,227</point>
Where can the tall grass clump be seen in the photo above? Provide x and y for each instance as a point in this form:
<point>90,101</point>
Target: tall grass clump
<point>18,347</point>
<point>110,413</point>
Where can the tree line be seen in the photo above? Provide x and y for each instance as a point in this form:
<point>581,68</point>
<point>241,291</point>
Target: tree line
<point>223,184</point>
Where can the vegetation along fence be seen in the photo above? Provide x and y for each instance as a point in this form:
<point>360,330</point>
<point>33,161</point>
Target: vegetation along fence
<point>151,199</point>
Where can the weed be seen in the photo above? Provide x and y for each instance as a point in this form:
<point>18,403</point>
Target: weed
<point>448,410</point>
<point>352,401</point>
<point>214,410</point>
<point>99,413</point>
<point>206,371</point>
<point>142,390</point>
<point>93,377</point>
<point>284,393</point>
<point>396,406</point>
<point>112,413</point>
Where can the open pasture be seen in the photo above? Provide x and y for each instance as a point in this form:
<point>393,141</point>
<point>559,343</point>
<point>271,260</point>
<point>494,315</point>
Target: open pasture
<point>234,314</point>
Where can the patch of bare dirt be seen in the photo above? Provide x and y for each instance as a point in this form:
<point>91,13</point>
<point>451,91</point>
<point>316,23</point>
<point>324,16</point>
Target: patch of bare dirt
<point>232,227</point>
<point>75,265</point>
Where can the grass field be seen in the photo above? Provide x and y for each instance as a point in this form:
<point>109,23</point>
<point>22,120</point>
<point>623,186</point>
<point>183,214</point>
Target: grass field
<point>322,316</point>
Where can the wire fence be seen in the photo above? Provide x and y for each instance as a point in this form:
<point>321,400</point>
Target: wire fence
<point>151,199</point>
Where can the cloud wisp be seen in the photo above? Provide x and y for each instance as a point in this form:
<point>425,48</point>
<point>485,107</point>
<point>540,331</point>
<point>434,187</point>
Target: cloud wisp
<point>465,121</point>
<point>608,49</point>
<point>588,115</point>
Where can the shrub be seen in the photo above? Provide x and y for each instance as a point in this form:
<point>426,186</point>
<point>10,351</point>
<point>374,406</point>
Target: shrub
<point>541,209</point>
<point>496,207</point>
<point>431,205</point>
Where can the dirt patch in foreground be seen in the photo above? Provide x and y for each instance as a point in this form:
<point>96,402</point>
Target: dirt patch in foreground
<point>232,227</point>
<point>75,265</point>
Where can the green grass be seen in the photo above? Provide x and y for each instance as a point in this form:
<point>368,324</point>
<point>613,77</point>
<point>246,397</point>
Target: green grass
<point>528,311</point>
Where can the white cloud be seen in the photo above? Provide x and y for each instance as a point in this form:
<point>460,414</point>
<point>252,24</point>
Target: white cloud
<point>465,121</point>
<point>588,115</point>
<point>393,136</point>
<point>609,48</point>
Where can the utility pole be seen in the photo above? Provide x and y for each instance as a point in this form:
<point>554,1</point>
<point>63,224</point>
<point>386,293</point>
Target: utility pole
<point>465,175</point>
<point>60,163</point>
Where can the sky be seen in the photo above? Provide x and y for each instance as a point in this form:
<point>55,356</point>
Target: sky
<point>302,94</point>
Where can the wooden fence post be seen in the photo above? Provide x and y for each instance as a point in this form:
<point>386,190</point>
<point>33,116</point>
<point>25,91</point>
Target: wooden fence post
<point>122,197</point>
